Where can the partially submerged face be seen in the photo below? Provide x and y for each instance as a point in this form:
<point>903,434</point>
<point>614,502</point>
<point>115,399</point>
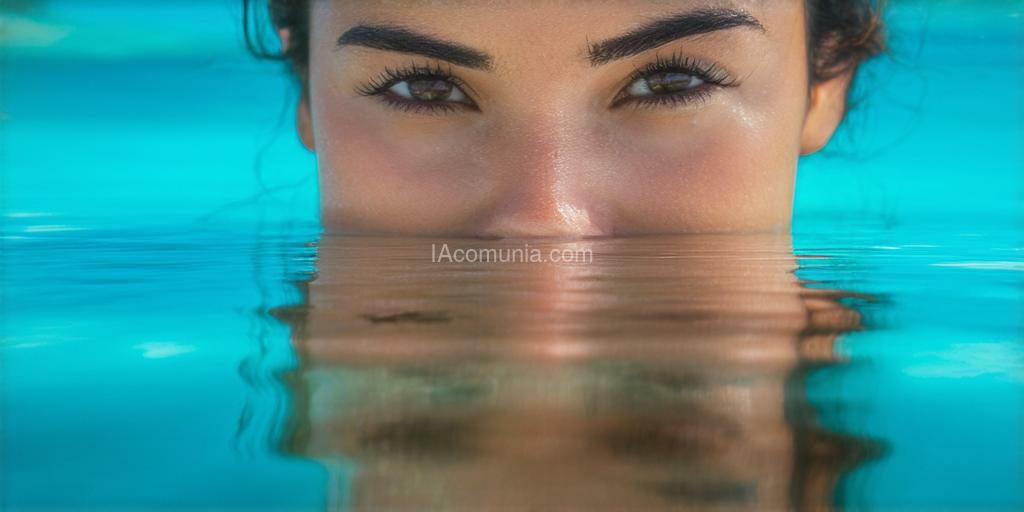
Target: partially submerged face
<point>562,118</point>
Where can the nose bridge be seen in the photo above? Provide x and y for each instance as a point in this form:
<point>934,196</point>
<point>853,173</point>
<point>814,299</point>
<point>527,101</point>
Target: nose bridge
<point>541,173</point>
<point>536,150</point>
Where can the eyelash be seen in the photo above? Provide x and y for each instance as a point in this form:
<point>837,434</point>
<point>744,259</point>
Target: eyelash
<point>379,87</point>
<point>711,74</point>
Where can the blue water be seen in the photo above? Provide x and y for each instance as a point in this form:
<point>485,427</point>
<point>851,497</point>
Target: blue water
<point>157,209</point>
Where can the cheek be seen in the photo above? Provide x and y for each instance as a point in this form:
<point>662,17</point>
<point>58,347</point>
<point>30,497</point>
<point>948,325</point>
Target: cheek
<point>379,171</point>
<point>731,164</point>
<point>723,168</point>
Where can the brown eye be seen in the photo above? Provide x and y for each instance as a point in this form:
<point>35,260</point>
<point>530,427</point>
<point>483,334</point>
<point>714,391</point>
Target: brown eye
<point>666,83</point>
<point>428,90</point>
<point>663,83</point>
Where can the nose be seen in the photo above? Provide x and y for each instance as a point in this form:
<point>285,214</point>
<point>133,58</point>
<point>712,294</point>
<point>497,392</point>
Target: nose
<point>542,216</point>
<point>544,184</point>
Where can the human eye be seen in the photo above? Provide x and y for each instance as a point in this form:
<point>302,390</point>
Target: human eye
<point>673,81</point>
<point>419,89</point>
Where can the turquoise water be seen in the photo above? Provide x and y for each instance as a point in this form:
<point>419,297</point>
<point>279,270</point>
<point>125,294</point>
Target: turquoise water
<point>159,235</point>
<point>155,369</point>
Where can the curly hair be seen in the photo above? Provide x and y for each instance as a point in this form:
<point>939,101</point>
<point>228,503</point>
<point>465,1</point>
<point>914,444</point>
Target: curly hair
<point>842,34</point>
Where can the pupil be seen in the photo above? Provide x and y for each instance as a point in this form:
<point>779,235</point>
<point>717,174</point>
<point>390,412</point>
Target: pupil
<point>666,83</point>
<point>430,90</point>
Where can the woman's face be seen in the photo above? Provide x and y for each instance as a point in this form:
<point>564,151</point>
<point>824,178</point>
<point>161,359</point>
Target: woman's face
<point>561,118</point>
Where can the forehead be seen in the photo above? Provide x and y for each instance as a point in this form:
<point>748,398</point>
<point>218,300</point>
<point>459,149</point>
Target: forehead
<point>490,24</point>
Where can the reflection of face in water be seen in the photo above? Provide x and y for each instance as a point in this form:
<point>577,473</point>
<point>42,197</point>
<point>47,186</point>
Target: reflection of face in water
<point>664,375</point>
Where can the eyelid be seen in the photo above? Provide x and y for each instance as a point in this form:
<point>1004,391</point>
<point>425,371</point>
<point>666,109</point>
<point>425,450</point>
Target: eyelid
<point>697,95</point>
<point>711,73</point>
<point>422,107</point>
<point>391,76</point>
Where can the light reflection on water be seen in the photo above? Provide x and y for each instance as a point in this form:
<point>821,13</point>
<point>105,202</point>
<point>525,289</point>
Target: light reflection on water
<point>288,370</point>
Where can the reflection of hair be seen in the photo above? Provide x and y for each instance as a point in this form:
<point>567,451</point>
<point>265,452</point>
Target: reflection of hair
<point>842,34</point>
<point>821,458</point>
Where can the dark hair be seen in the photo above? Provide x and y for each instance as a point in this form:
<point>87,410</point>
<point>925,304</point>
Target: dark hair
<point>841,33</point>
<point>290,15</point>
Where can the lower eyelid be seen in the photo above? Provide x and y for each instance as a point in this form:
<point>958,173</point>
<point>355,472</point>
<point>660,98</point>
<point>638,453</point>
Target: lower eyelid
<point>418,107</point>
<point>669,100</point>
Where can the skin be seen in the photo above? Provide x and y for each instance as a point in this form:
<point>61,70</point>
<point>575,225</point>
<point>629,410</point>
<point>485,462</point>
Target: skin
<point>549,152</point>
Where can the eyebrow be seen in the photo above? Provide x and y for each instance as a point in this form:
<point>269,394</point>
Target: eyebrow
<point>665,30</point>
<point>400,39</point>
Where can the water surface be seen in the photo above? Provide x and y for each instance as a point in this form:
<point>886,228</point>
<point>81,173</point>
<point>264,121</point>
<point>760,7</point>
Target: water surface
<point>287,370</point>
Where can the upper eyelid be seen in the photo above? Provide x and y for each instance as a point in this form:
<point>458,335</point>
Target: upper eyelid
<point>660,64</point>
<point>415,71</point>
<point>642,69</point>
